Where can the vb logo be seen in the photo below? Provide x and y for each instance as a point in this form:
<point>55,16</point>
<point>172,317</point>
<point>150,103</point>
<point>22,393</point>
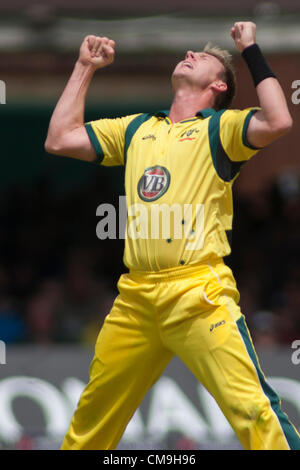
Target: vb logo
<point>2,352</point>
<point>2,92</point>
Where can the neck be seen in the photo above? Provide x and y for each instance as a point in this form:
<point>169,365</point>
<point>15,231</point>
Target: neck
<point>186,103</point>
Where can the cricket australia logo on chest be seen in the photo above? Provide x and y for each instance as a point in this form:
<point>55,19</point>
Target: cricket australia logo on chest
<point>153,183</point>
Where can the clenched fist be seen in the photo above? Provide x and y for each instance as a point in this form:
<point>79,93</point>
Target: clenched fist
<point>97,51</point>
<point>243,33</point>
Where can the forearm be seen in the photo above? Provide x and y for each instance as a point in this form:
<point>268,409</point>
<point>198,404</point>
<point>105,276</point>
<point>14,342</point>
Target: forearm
<point>67,135</point>
<point>274,110</point>
<point>274,119</point>
<point>69,111</point>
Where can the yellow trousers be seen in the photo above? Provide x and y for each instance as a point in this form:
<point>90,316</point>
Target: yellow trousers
<point>191,312</point>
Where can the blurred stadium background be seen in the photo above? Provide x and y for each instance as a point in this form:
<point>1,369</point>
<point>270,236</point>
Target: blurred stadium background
<point>57,280</point>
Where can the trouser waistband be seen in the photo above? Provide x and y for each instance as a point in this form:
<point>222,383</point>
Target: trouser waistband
<point>180,272</point>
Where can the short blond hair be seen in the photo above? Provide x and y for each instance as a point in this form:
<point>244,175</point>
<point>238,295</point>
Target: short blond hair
<point>224,100</point>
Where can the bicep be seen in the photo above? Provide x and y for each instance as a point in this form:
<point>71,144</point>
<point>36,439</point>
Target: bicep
<point>259,132</point>
<point>274,119</point>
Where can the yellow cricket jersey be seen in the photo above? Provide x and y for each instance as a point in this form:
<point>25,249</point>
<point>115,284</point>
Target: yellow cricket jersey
<point>178,182</point>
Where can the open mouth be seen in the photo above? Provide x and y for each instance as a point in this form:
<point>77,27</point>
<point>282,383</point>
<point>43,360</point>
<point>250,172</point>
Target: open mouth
<point>187,64</point>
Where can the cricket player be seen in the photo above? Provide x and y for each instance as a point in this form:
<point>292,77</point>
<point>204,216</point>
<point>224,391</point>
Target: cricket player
<point>178,297</point>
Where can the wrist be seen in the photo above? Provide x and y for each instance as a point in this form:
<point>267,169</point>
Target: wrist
<point>257,65</point>
<point>248,44</point>
<point>84,68</point>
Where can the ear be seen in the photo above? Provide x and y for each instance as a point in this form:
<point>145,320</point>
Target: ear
<point>219,86</point>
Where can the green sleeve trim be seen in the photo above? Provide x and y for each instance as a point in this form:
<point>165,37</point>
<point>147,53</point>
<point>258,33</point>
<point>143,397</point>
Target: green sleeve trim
<point>214,136</point>
<point>95,142</point>
<point>245,127</point>
<point>226,169</point>
<point>131,130</point>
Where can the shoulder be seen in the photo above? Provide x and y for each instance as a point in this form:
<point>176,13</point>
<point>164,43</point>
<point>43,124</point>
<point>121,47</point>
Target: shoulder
<point>235,115</point>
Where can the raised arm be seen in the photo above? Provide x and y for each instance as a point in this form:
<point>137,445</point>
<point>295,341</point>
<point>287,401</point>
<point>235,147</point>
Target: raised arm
<point>274,119</point>
<point>67,135</point>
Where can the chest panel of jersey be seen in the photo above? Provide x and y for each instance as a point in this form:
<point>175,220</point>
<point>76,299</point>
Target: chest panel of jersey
<point>184,150</point>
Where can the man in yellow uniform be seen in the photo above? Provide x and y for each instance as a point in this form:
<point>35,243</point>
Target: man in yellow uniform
<point>178,298</point>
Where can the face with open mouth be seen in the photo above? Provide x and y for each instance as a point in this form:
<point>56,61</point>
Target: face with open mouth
<point>186,63</point>
<point>198,68</point>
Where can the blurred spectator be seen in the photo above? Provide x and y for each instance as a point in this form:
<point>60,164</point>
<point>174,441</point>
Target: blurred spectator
<point>41,309</point>
<point>91,330</point>
<point>12,325</point>
<point>82,303</point>
<point>264,326</point>
<point>249,287</point>
<point>287,307</point>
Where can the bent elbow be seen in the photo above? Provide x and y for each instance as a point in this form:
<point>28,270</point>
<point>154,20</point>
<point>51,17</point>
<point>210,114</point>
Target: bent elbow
<point>289,124</point>
<point>52,146</point>
<point>283,126</point>
<point>48,146</point>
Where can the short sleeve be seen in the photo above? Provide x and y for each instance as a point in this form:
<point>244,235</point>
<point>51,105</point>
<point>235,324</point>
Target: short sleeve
<point>233,134</point>
<point>108,138</point>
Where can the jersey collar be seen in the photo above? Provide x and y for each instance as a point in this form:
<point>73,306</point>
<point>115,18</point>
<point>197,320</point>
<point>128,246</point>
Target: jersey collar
<point>164,113</point>
<point>205,113</point>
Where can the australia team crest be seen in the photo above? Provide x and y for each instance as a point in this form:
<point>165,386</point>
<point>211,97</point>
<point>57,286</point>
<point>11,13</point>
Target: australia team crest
<point>153,183</point>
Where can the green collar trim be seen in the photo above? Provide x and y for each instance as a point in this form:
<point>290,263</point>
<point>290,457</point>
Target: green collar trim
<point>205,113</point>
<point>163,113</point>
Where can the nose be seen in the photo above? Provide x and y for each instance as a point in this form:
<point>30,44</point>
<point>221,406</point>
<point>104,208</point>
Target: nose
<point>190,55</point>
